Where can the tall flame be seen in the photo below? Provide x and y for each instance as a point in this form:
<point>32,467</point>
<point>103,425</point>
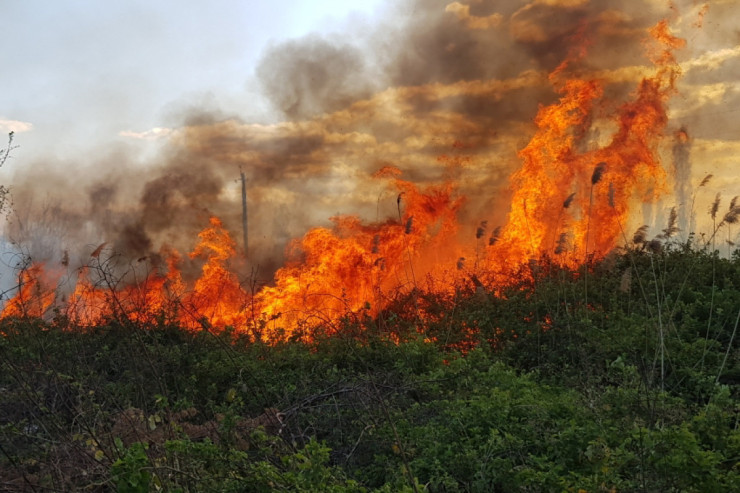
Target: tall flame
<point>33,298</point>
<point>571,200</point>
<point>352,265</point>
<point>563,194</point>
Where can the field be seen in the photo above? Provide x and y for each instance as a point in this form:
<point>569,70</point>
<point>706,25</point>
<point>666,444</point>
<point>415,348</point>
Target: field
<point>618,376</point>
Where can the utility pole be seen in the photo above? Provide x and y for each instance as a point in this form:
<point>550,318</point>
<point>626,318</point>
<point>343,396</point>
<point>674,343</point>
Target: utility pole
<point>244,212</point>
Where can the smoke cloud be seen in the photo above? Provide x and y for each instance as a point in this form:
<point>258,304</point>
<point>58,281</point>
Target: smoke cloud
<point>438,89</point>
<point>310,76</point>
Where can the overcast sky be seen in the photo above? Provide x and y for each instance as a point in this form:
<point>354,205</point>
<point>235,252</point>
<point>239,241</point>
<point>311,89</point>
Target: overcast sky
<point>82,73</point>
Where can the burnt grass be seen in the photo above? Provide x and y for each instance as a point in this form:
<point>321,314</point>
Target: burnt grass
<point>626,382</point>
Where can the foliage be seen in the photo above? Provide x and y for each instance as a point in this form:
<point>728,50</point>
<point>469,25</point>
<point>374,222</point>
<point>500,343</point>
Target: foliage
<point>531,389</point>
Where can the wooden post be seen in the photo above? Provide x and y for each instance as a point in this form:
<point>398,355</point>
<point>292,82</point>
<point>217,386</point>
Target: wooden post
<point>244,212</point>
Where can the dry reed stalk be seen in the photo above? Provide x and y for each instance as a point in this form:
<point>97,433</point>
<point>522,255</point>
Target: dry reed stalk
<point>714,208</point>
<point>494,236</point>
<point>611,195</point>
<point>598,172</point>
<point>562,243</point>
<point>655,245</point>
<point>732,216</point>
<point>733,213</point>
<point>640,235</point>
<point>409,225</point>
<point>671,229</point>
<point>595,178</point>
<point>481,230</point>
<point>376,244</point>
<point>566,204</point>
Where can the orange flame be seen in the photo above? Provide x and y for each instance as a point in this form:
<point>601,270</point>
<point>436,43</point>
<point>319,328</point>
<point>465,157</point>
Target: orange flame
<point>571,201</point>
<point>351,266</point>
<point>33,298</point>
<point>562,194</point>
<point>216,295</point>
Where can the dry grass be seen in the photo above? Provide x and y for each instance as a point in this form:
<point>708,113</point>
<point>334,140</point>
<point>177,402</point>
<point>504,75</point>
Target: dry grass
<point>598,173</point>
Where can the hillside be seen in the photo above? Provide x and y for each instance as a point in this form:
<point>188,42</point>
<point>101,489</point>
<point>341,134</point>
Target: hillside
<point>620,377</point>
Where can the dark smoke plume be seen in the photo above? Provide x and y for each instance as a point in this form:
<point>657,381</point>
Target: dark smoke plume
<point>437,89</point>
<point>307,77</point>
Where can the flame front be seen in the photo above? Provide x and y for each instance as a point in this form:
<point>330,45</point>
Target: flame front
<point>571,200</point>
<point>34,298</point>
<point>351,266</point>
<point>572,203</point>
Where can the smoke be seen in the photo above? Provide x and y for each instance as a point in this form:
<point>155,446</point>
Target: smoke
<point>307,77</point>
<point>438,89</point>
<point>683,190</point>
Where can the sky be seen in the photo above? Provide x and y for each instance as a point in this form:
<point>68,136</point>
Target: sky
<point>84,73</point>
<point>134,118</point>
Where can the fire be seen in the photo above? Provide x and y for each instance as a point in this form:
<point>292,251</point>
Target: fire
<point>34,297</point>
<point>571,201</point>
<point>215,298</point>
<point>350,266</point>
<point>217,295</point>
<point>334,271</point>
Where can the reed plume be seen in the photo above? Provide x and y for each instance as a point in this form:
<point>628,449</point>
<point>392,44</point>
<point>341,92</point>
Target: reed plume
<point>671,229</point>
<point>562,243</point>
<point>640,235</point>
<point>714,208</point>
<point>409,225</point>
<point>612,191</point>
<point>481,230</point>
<point>598,172</point>
<point>494,236</point>
<point>398,204</point>
<point>595,178</point>
<point>732,215</point>
<point>655,245</point>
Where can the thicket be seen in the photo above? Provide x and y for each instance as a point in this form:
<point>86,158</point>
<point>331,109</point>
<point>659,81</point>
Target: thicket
<point>628,382</point>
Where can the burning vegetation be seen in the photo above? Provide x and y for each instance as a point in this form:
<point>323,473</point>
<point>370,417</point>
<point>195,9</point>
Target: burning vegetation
<point>513,297</point>
<point>591,160</point>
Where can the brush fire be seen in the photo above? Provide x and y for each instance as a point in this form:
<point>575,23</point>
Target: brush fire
<point>452,178</point>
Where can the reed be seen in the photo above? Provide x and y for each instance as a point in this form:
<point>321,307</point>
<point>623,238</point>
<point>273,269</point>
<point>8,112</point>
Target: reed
<point>596,176</point>
<point>566,204</point>
<point>561,244</point>
<point>495,235</point>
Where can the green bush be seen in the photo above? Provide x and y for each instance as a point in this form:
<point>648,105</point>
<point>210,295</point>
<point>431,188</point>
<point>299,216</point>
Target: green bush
<point>634,388</point>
